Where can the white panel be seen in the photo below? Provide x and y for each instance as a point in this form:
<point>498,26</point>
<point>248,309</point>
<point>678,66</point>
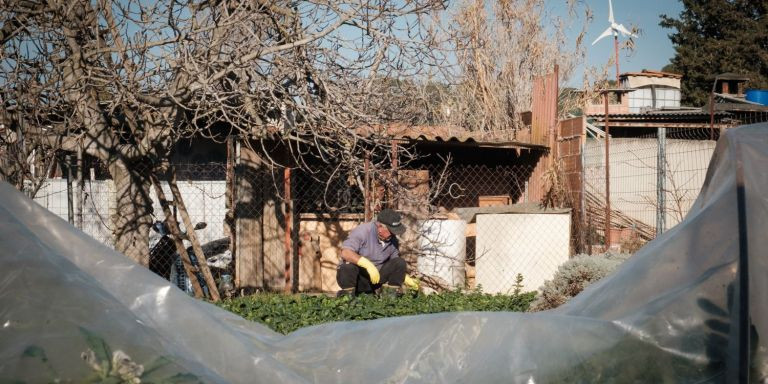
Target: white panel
<point>53,196</point>
<point>531,244</point>
<point>216,196</point>
<point>205,201</point>
<point>443,251</point>
<point>98,196</point>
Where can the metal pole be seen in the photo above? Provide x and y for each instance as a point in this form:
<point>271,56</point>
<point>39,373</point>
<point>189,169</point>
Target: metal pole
<point>607,178</point>
<point>582,189</point>
<point>79,193</point>
<point>288,230</point>
<point>740,315</point>
<point>236,227</point>
<point>616,51</point>
<point>661,180</point>
<point>712,115</point>
<point>395,163</point>
<point>367,187</point>
<point>70,191</point>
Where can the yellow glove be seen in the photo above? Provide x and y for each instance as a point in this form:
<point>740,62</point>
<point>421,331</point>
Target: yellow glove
<point>411,283</point>
<point>372,271</point>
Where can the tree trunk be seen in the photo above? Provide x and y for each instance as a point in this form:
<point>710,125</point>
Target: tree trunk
<point>133,215</point>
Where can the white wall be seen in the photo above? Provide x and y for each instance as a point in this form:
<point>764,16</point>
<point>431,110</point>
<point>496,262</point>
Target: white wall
<point>531,244</point>
<point>205,201</point>
<point>634,175</point>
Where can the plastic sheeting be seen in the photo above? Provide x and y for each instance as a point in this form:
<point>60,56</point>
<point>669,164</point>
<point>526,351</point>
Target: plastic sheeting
<point>675,312</point>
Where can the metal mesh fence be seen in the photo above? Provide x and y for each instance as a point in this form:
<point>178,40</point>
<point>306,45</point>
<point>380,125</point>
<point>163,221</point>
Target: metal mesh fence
<point>467,228</point>
<point>474,222</point>
<point>654,180</point>
<point>463,231</point>
<point>92,207</point>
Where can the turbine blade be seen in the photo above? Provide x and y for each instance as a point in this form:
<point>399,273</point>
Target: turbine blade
<point>610,12</point>
<point>606,33</point>
<point>624,31</point>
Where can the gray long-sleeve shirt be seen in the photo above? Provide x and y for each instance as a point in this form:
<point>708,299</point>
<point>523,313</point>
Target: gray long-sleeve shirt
<point>364,241</point>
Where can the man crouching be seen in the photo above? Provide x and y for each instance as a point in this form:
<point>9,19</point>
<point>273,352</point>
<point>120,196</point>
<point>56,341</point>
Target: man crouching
<point>371,257</point>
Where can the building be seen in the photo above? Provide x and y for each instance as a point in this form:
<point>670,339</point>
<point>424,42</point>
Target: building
<point>650,90</point>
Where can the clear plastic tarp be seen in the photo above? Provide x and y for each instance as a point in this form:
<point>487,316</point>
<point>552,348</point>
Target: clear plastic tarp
<point>678,311</point>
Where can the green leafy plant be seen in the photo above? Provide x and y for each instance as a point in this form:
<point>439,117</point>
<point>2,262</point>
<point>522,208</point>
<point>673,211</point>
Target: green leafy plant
<point>114,367</point>
<point>285,314</point>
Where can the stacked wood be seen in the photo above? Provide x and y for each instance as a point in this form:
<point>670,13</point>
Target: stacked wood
<point>596,213</point>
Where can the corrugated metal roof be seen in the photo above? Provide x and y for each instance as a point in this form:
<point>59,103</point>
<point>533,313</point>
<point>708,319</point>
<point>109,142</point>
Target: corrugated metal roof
<point>447,134</point>
<point>647,73</point>
<point>732,76</point>
<point>662,114</point>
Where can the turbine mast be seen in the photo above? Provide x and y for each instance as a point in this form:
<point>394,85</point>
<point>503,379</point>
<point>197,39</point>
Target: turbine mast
<point>616,52</point>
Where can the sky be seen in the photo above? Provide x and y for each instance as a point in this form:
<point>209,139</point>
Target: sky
<point>653,49</point>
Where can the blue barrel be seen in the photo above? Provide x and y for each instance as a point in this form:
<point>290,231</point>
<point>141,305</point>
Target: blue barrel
<point>759,96</point>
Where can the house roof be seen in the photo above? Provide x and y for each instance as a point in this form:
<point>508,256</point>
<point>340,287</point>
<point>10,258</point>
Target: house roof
<point>682,114</point>
<point>731,76</point>
<point>648,73</point>
<point>728,102</point>
<point>674,118</point>
<point>449,135</point>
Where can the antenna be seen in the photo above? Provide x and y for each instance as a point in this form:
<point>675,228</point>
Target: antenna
<point>614,29</point>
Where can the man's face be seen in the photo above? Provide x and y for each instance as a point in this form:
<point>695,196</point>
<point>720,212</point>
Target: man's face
<point>383,231</point>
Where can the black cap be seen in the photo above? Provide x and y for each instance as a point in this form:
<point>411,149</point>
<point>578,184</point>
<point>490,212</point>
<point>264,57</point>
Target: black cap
<point>392,220</point>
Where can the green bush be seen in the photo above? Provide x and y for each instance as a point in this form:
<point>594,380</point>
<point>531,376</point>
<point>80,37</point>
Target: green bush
<point>287,313</point>
<point>573,276</point>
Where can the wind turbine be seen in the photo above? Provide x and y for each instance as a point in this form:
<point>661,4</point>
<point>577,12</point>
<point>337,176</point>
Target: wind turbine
<point>614,29</point>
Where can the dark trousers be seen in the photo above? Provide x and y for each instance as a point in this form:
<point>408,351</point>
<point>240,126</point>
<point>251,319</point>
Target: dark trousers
<point>392,272</point>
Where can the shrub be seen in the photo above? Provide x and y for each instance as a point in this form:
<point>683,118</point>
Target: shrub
<point>286,313</point>
<point>573,276</point>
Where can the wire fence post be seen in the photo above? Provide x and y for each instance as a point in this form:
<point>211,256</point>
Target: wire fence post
<point>291,267</point>
<point>607,178</point>
<point>661,179</point>
<point>70,191</point>
<point>78,193</point>
<point>367,198</point>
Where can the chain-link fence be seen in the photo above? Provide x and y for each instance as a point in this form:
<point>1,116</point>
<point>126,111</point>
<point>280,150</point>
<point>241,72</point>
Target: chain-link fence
<point>466,209</point>
<point>91,205</point>
<point>469,222</point>
<point>654,179</point>
<point>493,229</point>
<point>474,213</point>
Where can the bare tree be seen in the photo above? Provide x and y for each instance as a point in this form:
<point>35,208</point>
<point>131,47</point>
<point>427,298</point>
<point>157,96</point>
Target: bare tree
<point>25,161</point>
<point>123,81</point>
<point>489,53</point>
<point>500,48</point>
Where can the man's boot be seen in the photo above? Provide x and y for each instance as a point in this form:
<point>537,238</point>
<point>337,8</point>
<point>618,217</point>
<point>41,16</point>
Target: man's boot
<point>388,290</point>
<point>346,292</point>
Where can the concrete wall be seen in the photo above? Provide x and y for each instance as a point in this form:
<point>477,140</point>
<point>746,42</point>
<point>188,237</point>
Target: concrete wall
<point>634,175</point>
